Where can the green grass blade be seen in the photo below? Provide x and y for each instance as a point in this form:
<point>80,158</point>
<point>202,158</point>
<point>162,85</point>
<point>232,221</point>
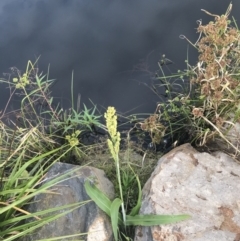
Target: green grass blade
<point>114,210</point>
<point>15,192</point>
<point>39,214</point>
<point>150,219</point>
<point>136,209</point>
<point>38,224</point>
<point>41,189</point>
<point>101,200</point>
<point>66,237</point>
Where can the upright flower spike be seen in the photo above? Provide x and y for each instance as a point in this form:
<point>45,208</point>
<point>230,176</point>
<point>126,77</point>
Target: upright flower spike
<point>113,145</point>
<point>111,123</point>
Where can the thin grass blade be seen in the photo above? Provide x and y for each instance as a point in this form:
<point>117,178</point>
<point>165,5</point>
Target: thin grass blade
<point>38,224</point>
<point>136,209</point>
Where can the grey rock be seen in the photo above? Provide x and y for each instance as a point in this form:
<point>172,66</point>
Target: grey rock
<point>85,219</point>
<point>205,186</point>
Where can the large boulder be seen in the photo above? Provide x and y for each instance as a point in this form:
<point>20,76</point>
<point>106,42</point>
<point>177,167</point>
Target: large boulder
<point>188,182</point>
<point>86,219</point>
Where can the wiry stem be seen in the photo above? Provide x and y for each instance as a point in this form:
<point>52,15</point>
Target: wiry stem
<point>120,188</point>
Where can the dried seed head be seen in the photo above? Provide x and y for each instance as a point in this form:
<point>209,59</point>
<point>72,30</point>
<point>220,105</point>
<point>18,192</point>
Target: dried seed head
<point>197,112</point>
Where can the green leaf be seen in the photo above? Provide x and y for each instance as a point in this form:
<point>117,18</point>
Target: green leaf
<point>98,197</point>
<point>151,219</point>
<point>101,200</point>
<point>47,185</point>
<point>136,209</point>
<point>115,215</point>
<point>27,228</point>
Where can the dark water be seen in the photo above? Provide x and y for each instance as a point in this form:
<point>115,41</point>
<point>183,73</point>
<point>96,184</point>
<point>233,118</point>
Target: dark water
<point>112,46</point>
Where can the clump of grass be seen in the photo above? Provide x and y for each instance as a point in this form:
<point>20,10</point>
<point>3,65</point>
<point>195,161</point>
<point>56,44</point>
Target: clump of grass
<point>24,162</point>
<point>32,139</point>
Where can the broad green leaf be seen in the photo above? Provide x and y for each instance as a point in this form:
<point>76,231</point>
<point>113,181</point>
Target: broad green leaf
<point>115,215</point>
<point>102,201</point>
<point>151,219</point>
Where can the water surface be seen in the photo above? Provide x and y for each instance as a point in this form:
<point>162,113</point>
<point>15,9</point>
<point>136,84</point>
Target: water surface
<point>112,46</point>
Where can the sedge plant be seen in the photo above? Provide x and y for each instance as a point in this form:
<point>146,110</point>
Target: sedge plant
<point>120,219</point>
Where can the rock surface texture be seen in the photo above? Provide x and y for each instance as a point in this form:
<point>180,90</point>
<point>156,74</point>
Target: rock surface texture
<point>87,218</point>
<point>188,182</point>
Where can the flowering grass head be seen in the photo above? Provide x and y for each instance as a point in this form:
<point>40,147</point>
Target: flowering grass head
<point>111,123</point>
<point>73,139</point>
<point>21,82</point>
